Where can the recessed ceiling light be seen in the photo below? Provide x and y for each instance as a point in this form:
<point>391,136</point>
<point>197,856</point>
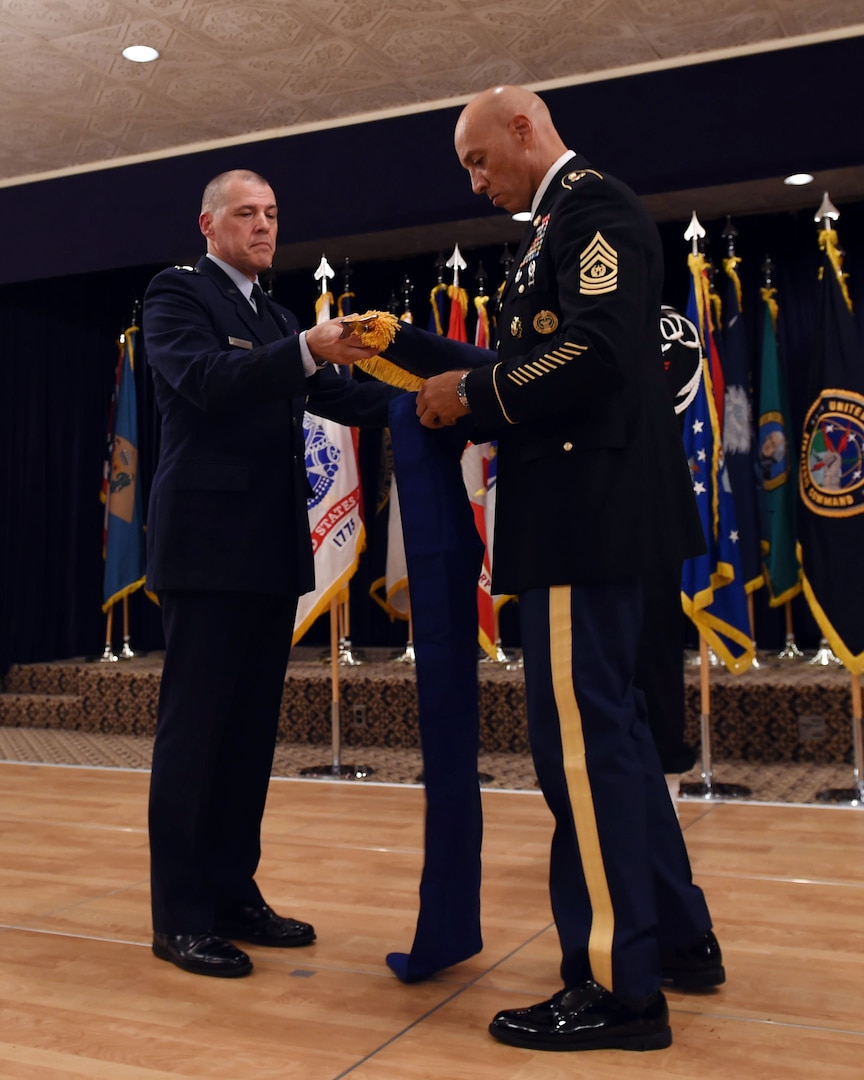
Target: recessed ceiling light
<point>523,215</point>
<point>140,54</point>
<point>798,179</point>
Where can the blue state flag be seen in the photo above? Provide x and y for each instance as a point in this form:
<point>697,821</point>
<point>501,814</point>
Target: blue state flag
<point>124,518</point>
<point>712,591</point>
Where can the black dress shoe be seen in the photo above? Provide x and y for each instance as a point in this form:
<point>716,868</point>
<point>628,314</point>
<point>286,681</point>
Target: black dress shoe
<point>262,926</point>
<point>699,966</point>
<point>202,954</point>
<point>586,1017</point>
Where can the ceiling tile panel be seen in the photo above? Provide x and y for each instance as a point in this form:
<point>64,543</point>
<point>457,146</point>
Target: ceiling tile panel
<point>232,68</point>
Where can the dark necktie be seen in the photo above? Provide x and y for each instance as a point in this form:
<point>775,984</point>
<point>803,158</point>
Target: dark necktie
<point>258,297</point>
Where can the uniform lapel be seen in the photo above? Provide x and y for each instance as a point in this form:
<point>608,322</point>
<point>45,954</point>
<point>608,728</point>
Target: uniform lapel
<point>261,331</point>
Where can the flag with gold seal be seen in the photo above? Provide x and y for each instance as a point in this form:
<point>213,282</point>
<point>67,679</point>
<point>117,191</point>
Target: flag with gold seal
<point>831,473</point>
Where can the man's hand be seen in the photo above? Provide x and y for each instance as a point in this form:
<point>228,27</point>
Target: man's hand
<point>437,403</point>
<point>328,343</point>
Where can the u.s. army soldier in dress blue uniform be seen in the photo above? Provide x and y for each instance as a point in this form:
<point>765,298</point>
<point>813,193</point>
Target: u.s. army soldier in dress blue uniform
<point>592,486</point>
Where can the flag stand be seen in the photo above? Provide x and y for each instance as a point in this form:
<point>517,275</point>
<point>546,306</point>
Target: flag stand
<point>707,789</point>
<point>854,796</point>
<point>336,770</point>
<point>825,656</point>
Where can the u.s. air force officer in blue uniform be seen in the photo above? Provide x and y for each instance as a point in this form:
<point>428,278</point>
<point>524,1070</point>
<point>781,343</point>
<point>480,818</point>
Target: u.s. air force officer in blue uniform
<point>592,486</point>
<point>228,553</point>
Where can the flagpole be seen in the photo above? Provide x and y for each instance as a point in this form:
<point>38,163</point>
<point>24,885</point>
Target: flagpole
<point>854,796</point>
<point>336,770</point>
<point>408,656</point>
<point>126,653</point>
<point>790,650</point>
<point>108,655</point>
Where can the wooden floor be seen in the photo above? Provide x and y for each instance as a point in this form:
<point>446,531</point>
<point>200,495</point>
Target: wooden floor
<point>82,996</point>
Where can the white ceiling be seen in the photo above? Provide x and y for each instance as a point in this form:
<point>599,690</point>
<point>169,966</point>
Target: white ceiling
<point>231,70</point>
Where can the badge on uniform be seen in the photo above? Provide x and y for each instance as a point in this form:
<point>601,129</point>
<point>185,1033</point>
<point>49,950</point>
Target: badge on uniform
<point>240,343</point>
<point>516,326</point>
<point>545,322</point>
<point>571,178</point>
<point>598,267</point>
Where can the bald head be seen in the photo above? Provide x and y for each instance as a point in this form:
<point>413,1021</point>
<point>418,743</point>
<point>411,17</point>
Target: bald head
<point>506,140</point>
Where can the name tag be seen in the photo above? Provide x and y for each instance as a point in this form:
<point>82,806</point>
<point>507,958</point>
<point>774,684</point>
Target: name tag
<point>240,343</point>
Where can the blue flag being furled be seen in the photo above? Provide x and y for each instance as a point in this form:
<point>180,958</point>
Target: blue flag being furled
<point>831,521</point>
<point>444,554</point>
<point>124,519</point>
<point>712,592</point>
<point>739,442</point>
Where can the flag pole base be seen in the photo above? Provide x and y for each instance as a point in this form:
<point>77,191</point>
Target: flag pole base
<point>849,796</point>
<point>696,661</point>
<point>515,665</point>
<point>790,650</point>
<point>713,791</point>
<point>482,778</point>
<point>127,652</point>
<point>406,657</point>
<point>337,772</point>
<point>108,655</point>
<point>346,657</point>
<point>500,656</point>
<point>824,656</point>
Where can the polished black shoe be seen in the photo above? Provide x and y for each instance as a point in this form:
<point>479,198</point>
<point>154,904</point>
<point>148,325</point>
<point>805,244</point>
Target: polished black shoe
<point>202,954</point>
<point>699,966</point>
<point>262,926</point>
<point>586,1017</point>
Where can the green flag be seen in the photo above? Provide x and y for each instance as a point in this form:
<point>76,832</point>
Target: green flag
<point>779,496</point>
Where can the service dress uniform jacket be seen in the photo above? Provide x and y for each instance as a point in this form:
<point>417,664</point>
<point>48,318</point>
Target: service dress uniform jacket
<point>228,554</point>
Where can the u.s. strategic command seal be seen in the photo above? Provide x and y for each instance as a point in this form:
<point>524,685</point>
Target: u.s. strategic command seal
<point>322,461</point>
<point>832,455</point>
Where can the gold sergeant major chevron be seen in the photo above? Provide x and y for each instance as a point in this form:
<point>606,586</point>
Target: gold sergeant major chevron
<point>598,267</point>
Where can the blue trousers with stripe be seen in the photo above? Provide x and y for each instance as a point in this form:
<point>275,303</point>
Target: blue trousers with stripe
<point>620,878</point>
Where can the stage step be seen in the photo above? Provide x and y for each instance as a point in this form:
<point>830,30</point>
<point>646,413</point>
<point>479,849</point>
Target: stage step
<point>63,711</point>
<point>778,712</point>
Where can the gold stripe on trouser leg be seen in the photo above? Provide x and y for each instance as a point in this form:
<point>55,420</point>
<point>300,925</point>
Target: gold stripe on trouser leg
<point>579,786</point>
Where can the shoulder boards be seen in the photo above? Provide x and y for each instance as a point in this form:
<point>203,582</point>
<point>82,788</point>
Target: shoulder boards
<point>187,269</point>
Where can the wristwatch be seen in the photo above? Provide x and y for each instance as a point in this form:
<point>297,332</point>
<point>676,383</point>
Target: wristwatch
<point>460,392</point>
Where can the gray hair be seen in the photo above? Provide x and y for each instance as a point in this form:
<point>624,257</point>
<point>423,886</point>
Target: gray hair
<point>213,198</point>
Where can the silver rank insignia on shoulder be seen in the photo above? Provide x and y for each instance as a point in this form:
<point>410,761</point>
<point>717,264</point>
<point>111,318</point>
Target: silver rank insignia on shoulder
<point>545,322</point>
<point>598,267</point>
<point>516,326</point>
<point>188,269</point>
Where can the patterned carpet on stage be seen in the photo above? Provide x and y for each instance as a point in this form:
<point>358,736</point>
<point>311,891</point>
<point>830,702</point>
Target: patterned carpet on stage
<point>781,732</point>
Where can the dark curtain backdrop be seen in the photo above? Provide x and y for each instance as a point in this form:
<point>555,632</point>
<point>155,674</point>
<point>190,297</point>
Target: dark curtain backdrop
<point>58,353</point>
